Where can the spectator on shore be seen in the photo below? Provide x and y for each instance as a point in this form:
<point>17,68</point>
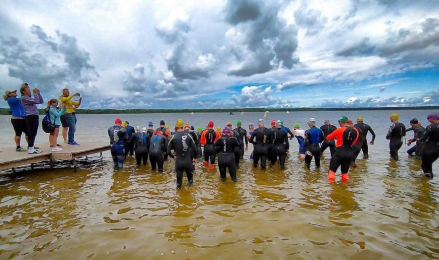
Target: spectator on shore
<point>31,110</point>
<point>70,116</point>
<point>18,119</point>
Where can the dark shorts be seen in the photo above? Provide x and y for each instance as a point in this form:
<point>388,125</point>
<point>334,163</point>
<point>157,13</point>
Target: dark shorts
<point>53,132</point>
<point>64,122</point>
<point>20,126</point>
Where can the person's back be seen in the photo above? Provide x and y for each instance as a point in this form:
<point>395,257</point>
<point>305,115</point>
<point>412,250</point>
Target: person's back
<point>158,144</point>
<point>180,143</point>
<point>396,131</point>
<point>112,133</point>
<point>327,129</point>
<point>226,147</point>
<point>365,129</point>
<point>314,136</point>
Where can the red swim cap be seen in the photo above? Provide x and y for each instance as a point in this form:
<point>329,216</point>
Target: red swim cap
<point>210,124</point>
<point>350,122</point>
<point>118,121</point>
<point>273,122</point>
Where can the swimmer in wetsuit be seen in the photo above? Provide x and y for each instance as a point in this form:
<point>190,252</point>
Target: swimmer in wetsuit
<point>261,140</point>
<point>251,128</point>
<point>356,149</point>
<point>346,137</point>
<point>364,130</point>
<point>141,147</point>
<point>313,138</point>
<point>150,130</point>
<point>241,138</point>
<point>118,151</point>
<point>182,143</point>
<point>327,129</point>
<point>280,145</point>
<point>237,150</point>
<point>157,147</point>
<point>430,152</point>
<point>418,131</point>
<point>396,134</point>
<point>226,148</point>
<point>300,136</point>
<point>208,139</point>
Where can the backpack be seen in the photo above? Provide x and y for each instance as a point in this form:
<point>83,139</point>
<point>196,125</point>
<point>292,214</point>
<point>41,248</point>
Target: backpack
<point>48,127</point>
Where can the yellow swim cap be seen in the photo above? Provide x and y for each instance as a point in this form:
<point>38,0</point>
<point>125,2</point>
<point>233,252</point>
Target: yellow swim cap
<point>179,123</point>
<point>360,119</point>
<point>124,124</point>
<point>166,126</point>
<point>394,116</point>
<point>218,129</point>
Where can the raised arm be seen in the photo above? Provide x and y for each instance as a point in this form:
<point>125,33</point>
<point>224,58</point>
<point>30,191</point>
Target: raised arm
<point>372,132</point>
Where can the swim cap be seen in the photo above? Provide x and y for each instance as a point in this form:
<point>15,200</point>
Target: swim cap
<point>343,119</point>
<point>260,121</point>
<point>281,121</point>
<point>179,123</point>
<point>137,127</point>
<point>124,124</point>
<point>238,122</point>
<point>326,120</point>
<point>312,121</point>
<point>144,129</point>
<point>159,132</point>
<point>162,122</point>
<point>394,116</point>
<point>433,115</point>
<point>118,121</point>
<point>228,124</point>
<point>150,124</point>
<point>192,127</point>
<point>296,125</point>
<point>414,121</point>
<point>273,122</point>
<point>350,122</point>
<point>226,130</point>
<point>166,127</point>
<point>360,119</point>
<point>210,124</point>
<point>199,129</point>
<point>251,125</point>
<point>218,128</point>
<point>187,125</point>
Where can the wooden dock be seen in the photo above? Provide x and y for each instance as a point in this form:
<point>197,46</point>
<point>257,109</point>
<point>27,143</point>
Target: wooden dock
<point>10,159</point>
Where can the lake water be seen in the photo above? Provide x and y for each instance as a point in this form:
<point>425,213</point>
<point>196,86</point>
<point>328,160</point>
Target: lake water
<point>388,210</point>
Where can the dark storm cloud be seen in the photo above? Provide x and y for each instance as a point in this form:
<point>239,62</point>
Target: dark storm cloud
<point>268,41</point>
<point>41,67</point>
<point>362,48</point>
<point>428,99</point>
<point>310,20</point>
<point>135,81</point>
<point>179,60</point>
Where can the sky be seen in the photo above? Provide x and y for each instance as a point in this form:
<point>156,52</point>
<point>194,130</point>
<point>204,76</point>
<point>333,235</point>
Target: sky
<point>224,53</point>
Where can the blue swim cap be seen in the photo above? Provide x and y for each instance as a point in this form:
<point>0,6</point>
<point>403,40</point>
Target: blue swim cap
<point>150,124</point>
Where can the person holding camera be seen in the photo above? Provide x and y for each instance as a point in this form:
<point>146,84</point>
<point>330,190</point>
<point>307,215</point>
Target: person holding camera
<point>29,104</point>
<point>18,118</point>
<point>70,117</point>
<point>54,116</point>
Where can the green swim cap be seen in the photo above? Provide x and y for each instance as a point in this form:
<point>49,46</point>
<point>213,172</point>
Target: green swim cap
<point>296,125</point>
<point>199,129</point>
<point>343,119</point>
<point>238,122</point>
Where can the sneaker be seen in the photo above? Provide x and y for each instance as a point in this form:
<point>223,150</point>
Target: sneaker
<point>36,147</point>
<point>74,143</point>
<point>56,149</point>
<point>21,149</point>
<point>35,151</point>
<point>59,145</point>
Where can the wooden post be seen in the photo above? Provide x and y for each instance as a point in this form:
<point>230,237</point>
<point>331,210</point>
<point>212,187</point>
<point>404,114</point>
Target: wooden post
<point>74,165</point>
<point>32,166</point>
<point>13,170</point>
<point>51,163</point>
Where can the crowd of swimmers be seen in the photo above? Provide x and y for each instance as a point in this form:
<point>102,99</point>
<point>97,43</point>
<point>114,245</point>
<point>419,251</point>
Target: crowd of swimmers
<point>25,117</point>
<point>227,145</point>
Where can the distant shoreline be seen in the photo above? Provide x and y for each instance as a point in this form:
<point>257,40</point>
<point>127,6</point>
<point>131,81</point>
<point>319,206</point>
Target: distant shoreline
<point>5,111</point>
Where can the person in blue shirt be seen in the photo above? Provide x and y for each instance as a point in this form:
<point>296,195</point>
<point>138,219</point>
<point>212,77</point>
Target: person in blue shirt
<point>118,151</point>
<point>18,118</point>
<point>313,138</point>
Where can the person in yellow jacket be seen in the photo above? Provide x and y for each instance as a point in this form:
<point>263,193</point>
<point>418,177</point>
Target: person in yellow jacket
<point>70,117</point>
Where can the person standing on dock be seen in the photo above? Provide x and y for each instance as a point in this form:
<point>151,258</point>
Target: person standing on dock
<point>182,143</point>
<point>364,130</point>
<point>32,119</point>
<point>70,116</point>
<point>18,118</point>
<point>327,129</point>
<point>396,134</point>
<point>54,116</point>
<point>430,152</point>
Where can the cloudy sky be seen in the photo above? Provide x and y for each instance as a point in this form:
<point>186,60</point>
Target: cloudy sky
<point>224,53</point>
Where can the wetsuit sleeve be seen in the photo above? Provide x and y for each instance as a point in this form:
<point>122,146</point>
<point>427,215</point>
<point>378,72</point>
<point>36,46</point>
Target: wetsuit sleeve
<point>203,137</point>
<point>410,129</point>
<point>252,138</point>
<point>109,133</point>
<point>358,136</point>
<point>192,143</point>
<point>372,132</point>
<point>289,132</point>
<point>218,135</point>
<point>217,146</point>
<point>287,143</point>
<point>245,136</point>
<point>322,137</point>
<point>170,147</point>
<point>389,133</point>
<point>403,130</point>
<point>334,134</point>
<point>307,138</point>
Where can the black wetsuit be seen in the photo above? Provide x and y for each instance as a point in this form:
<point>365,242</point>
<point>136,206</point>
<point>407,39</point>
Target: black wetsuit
<point>181,143</point>
<point>279,147</point>
<point>418,132</point>
<point>141,144</point>
<point>226,147</point>
<point>430,152</point>
<point>209,147</point>
<point>343,152</point>
<point>130,143</point>
<point>242,136</point>
<point>198,144</point>
<point>163,129</point>
<point>356,149</point>
<point>261,140</point>
<point>313,138</point>
<point>237,148</point>
<point>327,129</point>
<point>365,129</point>
<point>150,132</point>
<point>395,135</point>
<point>157,147</point>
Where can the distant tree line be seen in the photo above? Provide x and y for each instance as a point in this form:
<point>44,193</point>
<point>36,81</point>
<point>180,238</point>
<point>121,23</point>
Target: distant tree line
<point>6,111</point>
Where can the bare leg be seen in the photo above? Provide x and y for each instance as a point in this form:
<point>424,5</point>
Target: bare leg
<point>17,140</point>
<point>65,130</point>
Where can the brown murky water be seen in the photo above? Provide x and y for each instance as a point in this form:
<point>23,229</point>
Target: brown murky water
<point>387,210</point>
